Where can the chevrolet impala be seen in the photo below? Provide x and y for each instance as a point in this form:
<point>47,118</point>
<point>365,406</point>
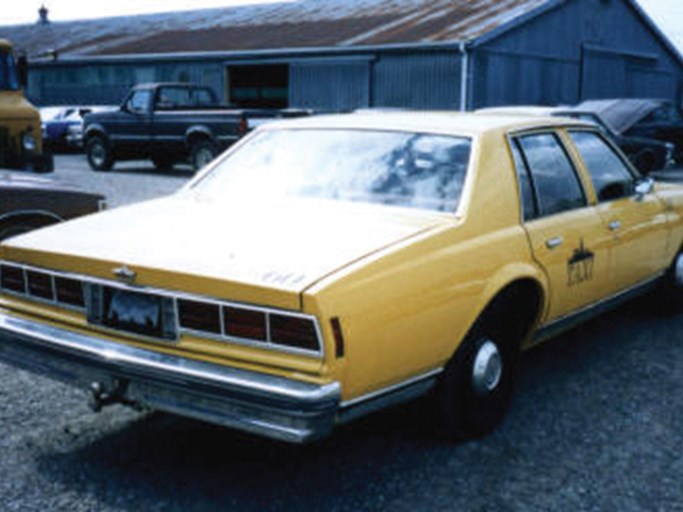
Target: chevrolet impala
<point>327,267</point>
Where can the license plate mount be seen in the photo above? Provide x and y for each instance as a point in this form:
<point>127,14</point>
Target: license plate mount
<point>136,312</point>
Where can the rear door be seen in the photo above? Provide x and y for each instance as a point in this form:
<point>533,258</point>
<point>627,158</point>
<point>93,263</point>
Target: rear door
<point>567,234</point>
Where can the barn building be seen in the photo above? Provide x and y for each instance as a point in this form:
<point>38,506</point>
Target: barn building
<point>338,55</point>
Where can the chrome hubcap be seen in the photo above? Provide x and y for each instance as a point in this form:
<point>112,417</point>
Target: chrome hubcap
<point>204,157</point>
<point>487,369</point>
<point>97,154</point>
<point>678,270</point>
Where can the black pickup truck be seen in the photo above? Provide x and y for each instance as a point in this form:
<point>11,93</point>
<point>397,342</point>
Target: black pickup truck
<point>169,123</point>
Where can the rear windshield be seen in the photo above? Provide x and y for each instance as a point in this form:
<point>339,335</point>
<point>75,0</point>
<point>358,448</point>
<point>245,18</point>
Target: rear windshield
<point>414,170</point>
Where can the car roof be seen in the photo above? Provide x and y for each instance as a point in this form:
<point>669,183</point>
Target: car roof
<point>454,123</point>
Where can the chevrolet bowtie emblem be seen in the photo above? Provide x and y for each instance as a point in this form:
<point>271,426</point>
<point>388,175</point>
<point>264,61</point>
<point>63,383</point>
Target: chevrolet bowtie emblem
<point>125,274</point>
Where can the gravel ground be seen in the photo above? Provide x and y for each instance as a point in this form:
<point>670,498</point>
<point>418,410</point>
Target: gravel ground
<point>596,425</point>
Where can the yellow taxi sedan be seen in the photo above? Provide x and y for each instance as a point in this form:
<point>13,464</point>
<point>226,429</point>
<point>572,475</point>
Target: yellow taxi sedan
<point>327,267</point>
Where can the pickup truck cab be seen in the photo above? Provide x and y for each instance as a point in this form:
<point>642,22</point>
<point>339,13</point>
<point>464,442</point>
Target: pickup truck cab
<point>167,123</point>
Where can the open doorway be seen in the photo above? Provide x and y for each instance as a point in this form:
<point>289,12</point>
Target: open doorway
<point>259,86</point>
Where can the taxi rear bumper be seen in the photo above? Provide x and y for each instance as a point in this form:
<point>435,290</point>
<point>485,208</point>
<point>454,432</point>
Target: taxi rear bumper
<point>268,405</point>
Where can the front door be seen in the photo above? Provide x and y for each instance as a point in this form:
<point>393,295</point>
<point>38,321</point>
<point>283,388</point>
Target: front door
<point>129,129</point>
<point>637,223</point>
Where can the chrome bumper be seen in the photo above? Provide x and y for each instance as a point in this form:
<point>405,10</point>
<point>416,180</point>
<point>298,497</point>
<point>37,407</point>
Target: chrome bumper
<point>272,406</point>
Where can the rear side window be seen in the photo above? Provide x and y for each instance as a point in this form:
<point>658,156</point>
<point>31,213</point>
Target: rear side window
<point>609,174</point>
<point>555,183</point>
<point>526,191</point>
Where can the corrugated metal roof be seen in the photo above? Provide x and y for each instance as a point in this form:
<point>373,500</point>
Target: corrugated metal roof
<point>299,24</point>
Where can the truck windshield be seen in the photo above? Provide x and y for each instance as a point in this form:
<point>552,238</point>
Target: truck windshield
<point>9,78</point>
<point>415,170</point>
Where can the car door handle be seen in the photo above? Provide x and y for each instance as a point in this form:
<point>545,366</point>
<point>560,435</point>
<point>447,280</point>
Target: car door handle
<point>614,225</point>
<point>554,242</point>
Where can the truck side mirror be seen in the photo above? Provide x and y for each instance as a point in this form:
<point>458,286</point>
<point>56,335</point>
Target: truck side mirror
<point>22,70</point>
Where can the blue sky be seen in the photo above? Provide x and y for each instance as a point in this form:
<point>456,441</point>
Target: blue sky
<point>668,14</point>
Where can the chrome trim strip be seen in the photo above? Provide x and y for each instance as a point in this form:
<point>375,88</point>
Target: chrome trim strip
<point>395,394</point>
<point>566,322</point>
<point>19,213</point>
<point>175,295</point>
<point>390,389</point>
<point>275,406</point>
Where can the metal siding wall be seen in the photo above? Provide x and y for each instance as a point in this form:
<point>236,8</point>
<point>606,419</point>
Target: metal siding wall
<point>108,84</point>
<point>507,79</point>
<point>417,80</point>
<point>329,86</point>
<point>549,55</point>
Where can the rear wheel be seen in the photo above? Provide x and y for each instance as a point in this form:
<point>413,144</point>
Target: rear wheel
<point>475,389</point>
<point>99,154</point>
<point>201,153</point>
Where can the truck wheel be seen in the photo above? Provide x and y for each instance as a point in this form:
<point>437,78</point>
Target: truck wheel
<point>99,154</point>
<point>202,153</point>
<point>474,391</point>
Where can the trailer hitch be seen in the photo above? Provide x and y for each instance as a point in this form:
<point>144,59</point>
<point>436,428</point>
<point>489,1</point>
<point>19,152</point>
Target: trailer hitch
<point>102,395</point>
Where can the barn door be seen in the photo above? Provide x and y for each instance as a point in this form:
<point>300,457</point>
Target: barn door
<point>603,74</point>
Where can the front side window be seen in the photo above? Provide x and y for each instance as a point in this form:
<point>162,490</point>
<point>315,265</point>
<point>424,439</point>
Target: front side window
<point>139,101</point>
<point>404,169</point>
<point>9,77</point>
<point>555,181</point>
<point>610,176</point>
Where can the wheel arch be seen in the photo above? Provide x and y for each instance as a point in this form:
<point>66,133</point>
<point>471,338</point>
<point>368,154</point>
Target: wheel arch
<point>198,133</point>
<point>95,130</point>
<point>33,218</point>
<point>523,291</point>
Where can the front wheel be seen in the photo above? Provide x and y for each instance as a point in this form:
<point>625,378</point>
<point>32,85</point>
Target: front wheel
<point>201,153</point>
<point>474,391</point>
<point>99,154</point>
<point>669,294</point>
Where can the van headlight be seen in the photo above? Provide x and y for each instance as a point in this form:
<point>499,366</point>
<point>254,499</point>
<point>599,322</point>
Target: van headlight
<point>28,141</point>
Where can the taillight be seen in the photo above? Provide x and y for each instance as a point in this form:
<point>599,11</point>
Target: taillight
<point>12,279</point>
<point>245,323</point>
<point>243,126</point>
<point>40,285</point>
<point>199,316</point>
<point>69,291</point>
<point>293,331</point>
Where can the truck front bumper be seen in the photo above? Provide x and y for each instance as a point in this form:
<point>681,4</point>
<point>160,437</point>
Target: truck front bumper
<point>268,405</point>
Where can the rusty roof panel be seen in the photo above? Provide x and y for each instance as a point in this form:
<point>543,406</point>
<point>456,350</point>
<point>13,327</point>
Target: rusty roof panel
<point>295,24</point>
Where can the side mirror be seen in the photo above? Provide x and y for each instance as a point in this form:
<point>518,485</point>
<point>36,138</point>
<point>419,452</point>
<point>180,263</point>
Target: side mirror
<point>644,187</point>
<point>22,70</point>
